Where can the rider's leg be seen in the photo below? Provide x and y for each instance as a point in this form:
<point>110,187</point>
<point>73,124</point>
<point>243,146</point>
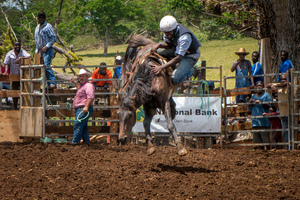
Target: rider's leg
<point>167,53</point>
<point>185,70</point>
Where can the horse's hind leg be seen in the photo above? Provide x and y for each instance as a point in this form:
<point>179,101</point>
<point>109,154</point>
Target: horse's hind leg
<point>149,113</point>
<point>168,115</point>
<point>173,109</point>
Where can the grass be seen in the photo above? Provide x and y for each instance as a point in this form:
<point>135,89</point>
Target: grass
<point>215,53</point>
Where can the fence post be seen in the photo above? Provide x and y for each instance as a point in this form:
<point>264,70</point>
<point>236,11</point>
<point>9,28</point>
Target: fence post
<point>114,126</point>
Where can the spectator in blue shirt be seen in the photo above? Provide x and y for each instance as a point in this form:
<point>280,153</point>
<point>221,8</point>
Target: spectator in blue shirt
<point>118,70</point>
<point>257,68</point>
<point>258,107</point>
<point>285,65</point>
<point>45,37</point>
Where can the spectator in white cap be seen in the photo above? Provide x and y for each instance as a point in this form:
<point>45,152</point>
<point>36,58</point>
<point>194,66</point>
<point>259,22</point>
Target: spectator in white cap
<point>83,104</point>
<point>118,70</point>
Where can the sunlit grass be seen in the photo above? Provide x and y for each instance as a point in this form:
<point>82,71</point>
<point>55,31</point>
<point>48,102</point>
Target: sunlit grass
<point>215,53</point>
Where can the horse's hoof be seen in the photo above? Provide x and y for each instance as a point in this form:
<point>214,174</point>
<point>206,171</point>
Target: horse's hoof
<point>183,152</point>
<point>122,141</point>
<point>151,150</point>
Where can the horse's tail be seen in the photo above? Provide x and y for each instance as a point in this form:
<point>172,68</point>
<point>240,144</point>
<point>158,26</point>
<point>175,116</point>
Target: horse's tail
<point>138,40</point>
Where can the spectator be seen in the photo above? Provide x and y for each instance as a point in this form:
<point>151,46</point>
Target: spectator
<point>102,73</point>
<point>6,85</point>
<point>12,62</point>
<point>257,68</point>
<point>276,136</point>
<point>83,103</point>
<point>282,93</point>
<point>285,65</point>
<point>44,39</point>
<point>181,46</point>
<point>258,107</point>
<point>242,67</point>
<point>118,70</point>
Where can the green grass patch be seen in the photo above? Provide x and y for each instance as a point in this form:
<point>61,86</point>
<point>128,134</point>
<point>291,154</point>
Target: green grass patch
<point>215,53</point>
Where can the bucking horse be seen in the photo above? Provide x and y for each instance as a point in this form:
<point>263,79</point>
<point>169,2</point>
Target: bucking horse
<point>145,88</point>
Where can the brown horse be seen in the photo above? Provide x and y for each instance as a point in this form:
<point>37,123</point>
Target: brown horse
<point>144,88</point>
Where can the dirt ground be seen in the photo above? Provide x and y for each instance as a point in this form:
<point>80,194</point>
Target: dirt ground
<point>102,171</point>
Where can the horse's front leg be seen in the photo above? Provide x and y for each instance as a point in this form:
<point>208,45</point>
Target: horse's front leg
<point>171,127</point>
<point>149,113</point>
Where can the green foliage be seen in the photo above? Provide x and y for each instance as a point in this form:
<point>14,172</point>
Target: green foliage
<point>153,12</point>
<point>210,28</point>
<point>8,44</point>
<point>114,21</point>
<point>75,60</point>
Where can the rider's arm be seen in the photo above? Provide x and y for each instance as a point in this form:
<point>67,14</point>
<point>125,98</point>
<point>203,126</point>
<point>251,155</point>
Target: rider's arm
<point>157,69</point>
<point>163,45</point>
<point>172,62</point>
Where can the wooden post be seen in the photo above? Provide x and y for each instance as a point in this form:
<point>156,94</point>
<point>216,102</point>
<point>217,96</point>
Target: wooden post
<point>37,87</point>
<point>202,74</point>
<point>26,99</point>
<point>114,126</point>
<point>37,59</point>
<point>28,87</point>
<point>266,59</point>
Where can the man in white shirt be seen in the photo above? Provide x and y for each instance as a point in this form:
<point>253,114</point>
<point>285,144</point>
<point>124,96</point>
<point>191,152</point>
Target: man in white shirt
<point>12,61</point>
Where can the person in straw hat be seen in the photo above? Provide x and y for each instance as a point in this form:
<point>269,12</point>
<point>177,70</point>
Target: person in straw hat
<point>242,67</point>
<point>83,104</point>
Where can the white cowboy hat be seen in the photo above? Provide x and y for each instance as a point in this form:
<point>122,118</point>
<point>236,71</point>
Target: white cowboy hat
<point>82,71</point>
<point>242,51</point>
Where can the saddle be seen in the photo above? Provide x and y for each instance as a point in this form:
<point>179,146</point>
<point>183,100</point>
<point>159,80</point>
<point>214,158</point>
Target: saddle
<point>168,71</point>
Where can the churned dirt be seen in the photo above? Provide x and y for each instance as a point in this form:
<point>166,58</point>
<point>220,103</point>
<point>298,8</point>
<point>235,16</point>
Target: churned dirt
<point>101,171</point>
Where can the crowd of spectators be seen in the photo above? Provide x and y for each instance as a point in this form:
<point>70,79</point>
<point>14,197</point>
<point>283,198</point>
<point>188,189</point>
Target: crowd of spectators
<point>260,103</point>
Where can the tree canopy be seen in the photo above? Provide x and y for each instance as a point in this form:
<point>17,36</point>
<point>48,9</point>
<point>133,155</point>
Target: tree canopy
<point>113,21</point>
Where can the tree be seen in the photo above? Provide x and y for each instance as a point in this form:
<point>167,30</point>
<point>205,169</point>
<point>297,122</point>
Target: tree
<point>154,12</point>
<point>105,16</point>
<point>274,19</point>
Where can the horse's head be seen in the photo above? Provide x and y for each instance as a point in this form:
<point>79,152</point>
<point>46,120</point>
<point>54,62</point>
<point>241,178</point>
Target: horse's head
<point>127,119</point>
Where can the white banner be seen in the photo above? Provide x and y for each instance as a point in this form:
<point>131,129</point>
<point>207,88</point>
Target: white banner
<point>194,115</point>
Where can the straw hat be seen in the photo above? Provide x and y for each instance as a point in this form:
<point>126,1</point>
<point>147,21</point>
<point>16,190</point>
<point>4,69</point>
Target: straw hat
<point>82,71</point>
<point>242,51</point>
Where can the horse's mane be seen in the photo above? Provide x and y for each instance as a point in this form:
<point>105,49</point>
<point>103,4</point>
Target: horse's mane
<point>140,89</point>
<point>141,82</point>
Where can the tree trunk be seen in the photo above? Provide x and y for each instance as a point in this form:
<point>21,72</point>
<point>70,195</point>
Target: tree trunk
<point>280,21</point>
<point>106,42</point>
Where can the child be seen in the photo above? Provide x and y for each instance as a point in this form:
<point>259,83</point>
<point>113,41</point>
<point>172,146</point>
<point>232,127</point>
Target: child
<point>276,136</point>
